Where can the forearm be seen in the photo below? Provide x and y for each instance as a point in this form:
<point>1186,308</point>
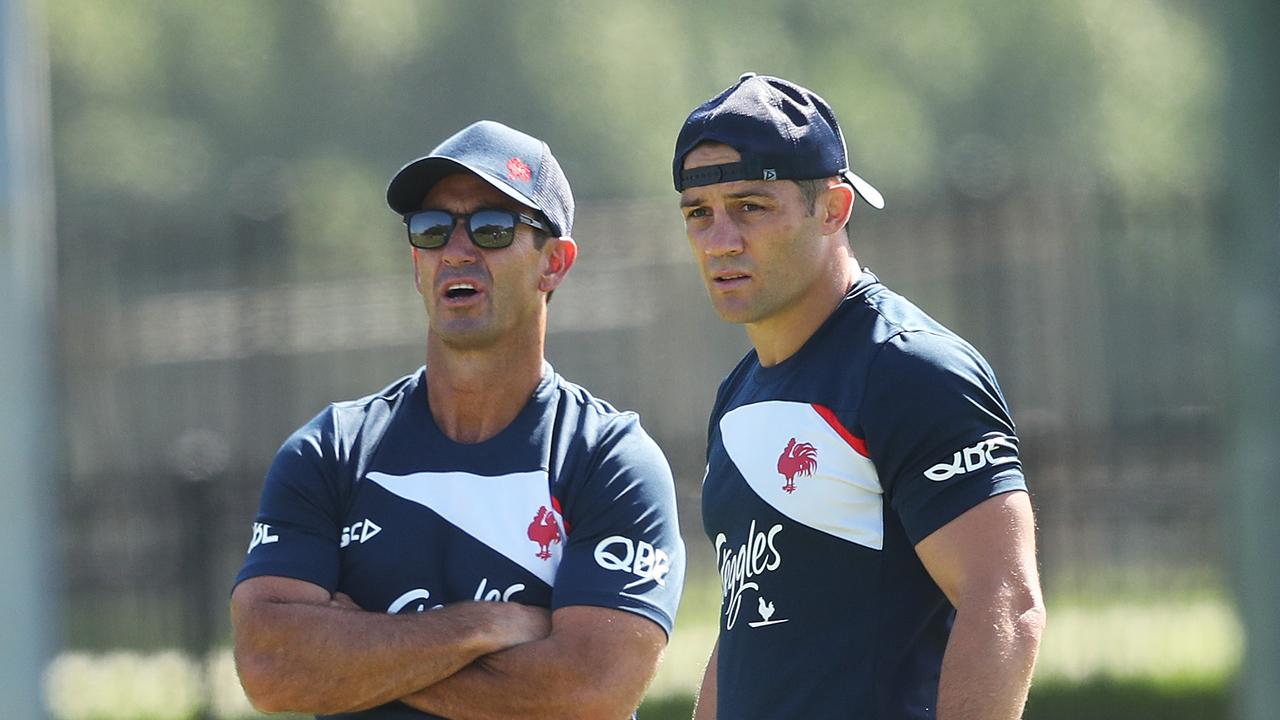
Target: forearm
<point>986,671</point>
<point>531,681</point>
<point>596,675</point>
<point>323,659</point>
<point>705,707</point>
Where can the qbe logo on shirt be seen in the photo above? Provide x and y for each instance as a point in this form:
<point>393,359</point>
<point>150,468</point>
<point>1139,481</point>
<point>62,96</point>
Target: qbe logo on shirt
<point>975,457</point>
<point>642,559</point>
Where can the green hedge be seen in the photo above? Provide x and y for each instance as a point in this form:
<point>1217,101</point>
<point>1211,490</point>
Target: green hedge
<point>1098,699</point>
<point>1131,699</point>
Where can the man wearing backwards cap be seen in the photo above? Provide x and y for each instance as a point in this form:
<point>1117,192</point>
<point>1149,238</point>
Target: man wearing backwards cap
<point>388,523</point>
<point>863,492</point>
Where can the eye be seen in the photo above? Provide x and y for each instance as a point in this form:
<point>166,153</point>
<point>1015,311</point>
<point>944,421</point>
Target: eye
<point>751,207</point>
<point>697,212</point>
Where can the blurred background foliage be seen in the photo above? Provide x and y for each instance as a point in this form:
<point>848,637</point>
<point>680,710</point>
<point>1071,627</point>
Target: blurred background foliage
<point>227,265</point>
<point>303,107</point>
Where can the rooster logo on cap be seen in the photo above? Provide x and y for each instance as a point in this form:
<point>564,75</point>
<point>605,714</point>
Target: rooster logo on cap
<point>518,170</point>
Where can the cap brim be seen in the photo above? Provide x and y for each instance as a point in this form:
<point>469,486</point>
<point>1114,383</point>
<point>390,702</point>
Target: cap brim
<point>865,190</point>
<point>410,185</point>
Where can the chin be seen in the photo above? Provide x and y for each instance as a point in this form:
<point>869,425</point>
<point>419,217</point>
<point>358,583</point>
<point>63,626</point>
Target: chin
<point>472,337</point>
<point>737,315</point>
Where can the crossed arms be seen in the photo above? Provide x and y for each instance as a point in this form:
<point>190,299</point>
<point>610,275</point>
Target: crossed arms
<point>299,649</point>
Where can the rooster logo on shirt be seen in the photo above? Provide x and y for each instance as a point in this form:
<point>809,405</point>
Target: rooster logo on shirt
<point>797,459</point>
<point>544,530</point>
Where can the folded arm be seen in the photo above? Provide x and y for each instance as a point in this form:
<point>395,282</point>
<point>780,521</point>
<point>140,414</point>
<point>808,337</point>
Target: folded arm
<point>985,563</point>
<point>595,664</point>
<point>297,649</point>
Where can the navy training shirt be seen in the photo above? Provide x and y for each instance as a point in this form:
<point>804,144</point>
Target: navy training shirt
<point>571,504</point>
<point>823,472</point>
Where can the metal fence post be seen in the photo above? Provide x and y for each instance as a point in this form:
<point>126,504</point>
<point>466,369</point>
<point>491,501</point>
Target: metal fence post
<point>29,535</point>
<point>1251,115</point>
<point>200,459</point>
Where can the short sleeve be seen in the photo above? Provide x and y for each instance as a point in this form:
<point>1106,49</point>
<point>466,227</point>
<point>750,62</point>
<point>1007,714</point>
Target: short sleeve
<point>296,531</point>
<point>624,548</point>
<point>938,430</point>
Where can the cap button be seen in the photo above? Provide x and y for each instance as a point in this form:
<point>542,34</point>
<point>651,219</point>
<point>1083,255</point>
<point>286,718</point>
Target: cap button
<point>746,76</point>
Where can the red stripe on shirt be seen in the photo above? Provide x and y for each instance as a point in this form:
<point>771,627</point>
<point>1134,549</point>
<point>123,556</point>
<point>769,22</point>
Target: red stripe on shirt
<point>555,505</point>
<point>858,444</point>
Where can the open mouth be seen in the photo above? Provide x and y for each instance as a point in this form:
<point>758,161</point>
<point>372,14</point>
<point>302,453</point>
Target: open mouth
<point>460,292</point>
<point>730,277</point>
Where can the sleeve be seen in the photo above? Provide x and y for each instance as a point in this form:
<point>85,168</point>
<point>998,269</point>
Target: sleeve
<point>624,548</point>
<point>938,429</point>
<point>296,531</point>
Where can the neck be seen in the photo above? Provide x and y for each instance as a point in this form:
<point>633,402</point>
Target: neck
<point>781,335</point>
<point>475,394</point>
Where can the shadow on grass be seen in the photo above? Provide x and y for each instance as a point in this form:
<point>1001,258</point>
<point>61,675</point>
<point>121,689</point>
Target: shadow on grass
<point>1098,699</point>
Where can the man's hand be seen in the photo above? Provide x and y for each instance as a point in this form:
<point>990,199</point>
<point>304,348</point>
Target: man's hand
<point>299,649</point>
<point>515,623</point>
<point>343,600</point>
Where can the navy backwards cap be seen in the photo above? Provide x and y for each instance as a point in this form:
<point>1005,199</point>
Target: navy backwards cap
<point>783,132</point>
<point>519,165</point>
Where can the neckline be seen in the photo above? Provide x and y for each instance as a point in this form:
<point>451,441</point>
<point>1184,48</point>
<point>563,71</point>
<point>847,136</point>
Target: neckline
<point>523,425</point>
<point>865,282</point>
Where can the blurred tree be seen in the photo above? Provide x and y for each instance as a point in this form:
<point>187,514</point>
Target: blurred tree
<point>167,109</point>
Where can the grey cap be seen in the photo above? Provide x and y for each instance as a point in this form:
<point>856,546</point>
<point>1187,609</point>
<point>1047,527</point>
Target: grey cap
<point>518,164</point>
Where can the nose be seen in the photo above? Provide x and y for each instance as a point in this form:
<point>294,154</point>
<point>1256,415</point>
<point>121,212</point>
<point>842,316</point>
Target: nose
<point>722,238</point>
<point>459,250</point>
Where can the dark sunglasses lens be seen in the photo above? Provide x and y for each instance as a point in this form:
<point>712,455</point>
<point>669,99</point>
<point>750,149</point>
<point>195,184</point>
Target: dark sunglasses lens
<point>493,228</point>
<point>429,229</point>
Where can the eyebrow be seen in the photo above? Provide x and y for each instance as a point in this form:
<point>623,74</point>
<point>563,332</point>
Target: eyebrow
<point>696,200</point>
<point>753,192</point>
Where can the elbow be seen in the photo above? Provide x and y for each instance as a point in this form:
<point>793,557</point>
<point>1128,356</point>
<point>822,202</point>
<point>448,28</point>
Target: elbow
<point>1029,610</point>
<point>1014,611</point>
<point>268,690</point>
<point>1025,619</point>
<point>612,695</point>
<point>257,680</point>
<point>1032,620</point>
<point>594,696</point>
<point>596,703</point>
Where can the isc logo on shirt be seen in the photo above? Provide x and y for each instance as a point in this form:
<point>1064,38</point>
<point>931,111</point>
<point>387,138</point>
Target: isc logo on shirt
<point>359,532</point>
<point>975,457</point>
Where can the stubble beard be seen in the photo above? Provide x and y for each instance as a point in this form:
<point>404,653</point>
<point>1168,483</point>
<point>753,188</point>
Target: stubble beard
<point>758,305</point>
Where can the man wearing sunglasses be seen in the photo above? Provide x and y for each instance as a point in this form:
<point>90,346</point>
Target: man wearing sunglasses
<point>482,538</point>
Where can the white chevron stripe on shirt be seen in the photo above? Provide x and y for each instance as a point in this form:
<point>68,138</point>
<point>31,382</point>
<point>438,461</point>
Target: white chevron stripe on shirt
<point>836,490</point>
<point>496,511</point>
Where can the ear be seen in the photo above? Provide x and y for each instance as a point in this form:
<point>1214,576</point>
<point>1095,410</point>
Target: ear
<point>836,206</point>
<point>557,257</point>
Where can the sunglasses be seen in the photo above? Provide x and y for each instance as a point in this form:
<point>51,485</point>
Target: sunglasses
<point>487,227</point>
